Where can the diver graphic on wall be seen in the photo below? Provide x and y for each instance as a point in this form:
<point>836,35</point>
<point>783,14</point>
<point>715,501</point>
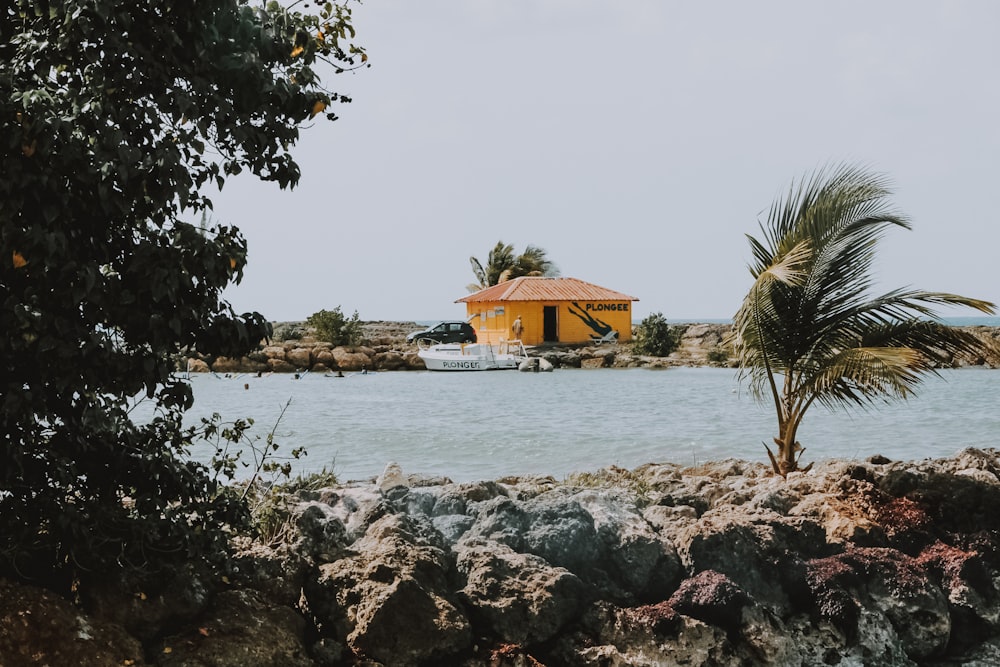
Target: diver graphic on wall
<point>602,329</point>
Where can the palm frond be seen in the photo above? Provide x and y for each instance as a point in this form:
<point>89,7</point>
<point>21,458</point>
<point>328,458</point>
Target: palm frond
<point>863,374</point>
<point>809,319</point>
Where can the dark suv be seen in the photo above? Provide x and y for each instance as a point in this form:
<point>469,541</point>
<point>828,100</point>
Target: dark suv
<point>446,332</point>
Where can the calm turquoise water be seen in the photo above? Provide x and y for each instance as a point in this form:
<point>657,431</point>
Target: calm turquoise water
<point>484,425</point>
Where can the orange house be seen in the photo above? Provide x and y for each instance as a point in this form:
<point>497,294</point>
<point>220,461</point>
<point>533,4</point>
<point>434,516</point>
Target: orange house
<point>549,310</point>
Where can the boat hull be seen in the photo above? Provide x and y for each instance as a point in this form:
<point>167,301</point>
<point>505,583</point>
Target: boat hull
<point>474,357</point>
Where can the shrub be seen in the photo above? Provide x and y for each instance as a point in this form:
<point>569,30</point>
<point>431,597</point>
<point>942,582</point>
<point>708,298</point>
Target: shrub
<point>105,275</point>
<point>331,326</point>
<point>719,355</point>
<point>655,338</point>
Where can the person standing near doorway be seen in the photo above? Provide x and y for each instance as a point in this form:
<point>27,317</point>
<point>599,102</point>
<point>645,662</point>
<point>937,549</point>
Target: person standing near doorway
<point>516,328</point>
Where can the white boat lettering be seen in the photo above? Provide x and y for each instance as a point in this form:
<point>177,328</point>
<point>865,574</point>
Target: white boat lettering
<point>461,364</point>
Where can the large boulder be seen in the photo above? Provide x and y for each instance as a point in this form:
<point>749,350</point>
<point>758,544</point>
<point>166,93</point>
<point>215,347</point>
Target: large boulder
<point>390,361</point>
<point>646,636</point>
<point>38,627</point>
<point>353,359</point>
<point>645,567</point>
<point>146,604</point>
<point>390,601</point>
<point>300,357</point>
<point>274,352</point>
<point>324,355</point>
<point>241,628</point>
<point>197,366</point>
<point>228,365</point>
<point>882,588</point>
<point>553,527</point>
<point>761,552</point>
<point>280,366</point>
<point>517,597</point>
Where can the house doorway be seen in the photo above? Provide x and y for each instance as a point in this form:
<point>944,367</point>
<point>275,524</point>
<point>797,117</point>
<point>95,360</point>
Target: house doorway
<point>550,324</point>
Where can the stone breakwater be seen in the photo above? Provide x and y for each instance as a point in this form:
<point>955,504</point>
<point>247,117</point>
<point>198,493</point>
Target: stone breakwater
<point>876,563</point>
<point>385,348</point>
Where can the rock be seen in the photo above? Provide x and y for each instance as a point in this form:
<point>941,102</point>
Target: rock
<point>973,598</point>
<point>280,366</point>
<point>713,598</point>
<point>391,600</point>
<point>146,603</point>
<point>274,352</point>
<point>352,359</point>
<point>761,553</point>
<point>324,356</point>
<point>300,357</point>
<point>227,365</point>
<point>392,478</point>
<point>718,565</point>
<point>552,527</point>
<point>390,361</point>
<point>241,628</point>
<point>277,573</point>
<point>646,636</point>
<point>519,598</point>
<point>40,628</point>
<point>637,559</point>
<point>322,535</point>
<point>197,366</point>
<point>866,585</point>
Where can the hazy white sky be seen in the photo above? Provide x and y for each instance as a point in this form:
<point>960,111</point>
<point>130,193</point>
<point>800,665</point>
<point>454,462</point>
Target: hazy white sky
<point>636,141</point>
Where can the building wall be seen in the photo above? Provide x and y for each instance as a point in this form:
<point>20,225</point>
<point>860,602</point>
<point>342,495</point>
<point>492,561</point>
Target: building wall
<point>576,321</point>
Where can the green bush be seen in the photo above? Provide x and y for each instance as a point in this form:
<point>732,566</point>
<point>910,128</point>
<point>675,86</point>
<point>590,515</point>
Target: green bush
<point>719,356</point>
<point>331,326</point>
<point>655,338</point>
<point>106,276</point>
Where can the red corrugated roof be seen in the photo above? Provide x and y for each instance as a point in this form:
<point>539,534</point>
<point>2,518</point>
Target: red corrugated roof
<point>531,288</point>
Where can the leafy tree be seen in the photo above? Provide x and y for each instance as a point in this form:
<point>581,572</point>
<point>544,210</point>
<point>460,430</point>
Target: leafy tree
<point>333,327</point>
<point>115,118</point>
<point>655,337</point>
<point>503,265</point>
<point>808,322</point>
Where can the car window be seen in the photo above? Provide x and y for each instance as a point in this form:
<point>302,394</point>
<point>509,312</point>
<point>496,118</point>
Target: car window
<point>440,327</point>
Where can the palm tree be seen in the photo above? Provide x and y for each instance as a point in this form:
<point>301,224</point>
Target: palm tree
<point>502,265</point>
<point>808,321</point>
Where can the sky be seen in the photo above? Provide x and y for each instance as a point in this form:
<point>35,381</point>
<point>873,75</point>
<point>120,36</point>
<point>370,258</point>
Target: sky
<point>638,142</point>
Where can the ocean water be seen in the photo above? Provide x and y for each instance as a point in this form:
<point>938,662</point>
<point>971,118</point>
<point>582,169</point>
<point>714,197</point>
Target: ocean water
<point>470,426</point>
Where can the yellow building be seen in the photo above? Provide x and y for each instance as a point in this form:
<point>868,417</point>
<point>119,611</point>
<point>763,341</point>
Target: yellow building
<point>549,310</point>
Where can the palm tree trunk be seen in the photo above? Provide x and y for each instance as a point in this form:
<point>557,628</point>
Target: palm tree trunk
<point>789,417</point>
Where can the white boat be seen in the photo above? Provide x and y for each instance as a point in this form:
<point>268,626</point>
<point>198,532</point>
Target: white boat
<point>507,355</point>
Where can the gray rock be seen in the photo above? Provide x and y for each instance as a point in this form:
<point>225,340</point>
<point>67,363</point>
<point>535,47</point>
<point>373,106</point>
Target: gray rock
<point>552,526</point>
<point>760,552</point>
<point>635,557</point>
<point>518,597</point>
<point>391,600</point>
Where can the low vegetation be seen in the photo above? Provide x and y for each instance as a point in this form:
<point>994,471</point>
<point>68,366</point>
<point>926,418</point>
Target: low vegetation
<point>654,337</point>
<point>332,326</point>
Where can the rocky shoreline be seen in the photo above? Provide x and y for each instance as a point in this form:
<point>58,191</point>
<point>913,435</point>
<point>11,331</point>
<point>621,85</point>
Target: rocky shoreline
<point>384,348</point>
<point>880,563</point>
